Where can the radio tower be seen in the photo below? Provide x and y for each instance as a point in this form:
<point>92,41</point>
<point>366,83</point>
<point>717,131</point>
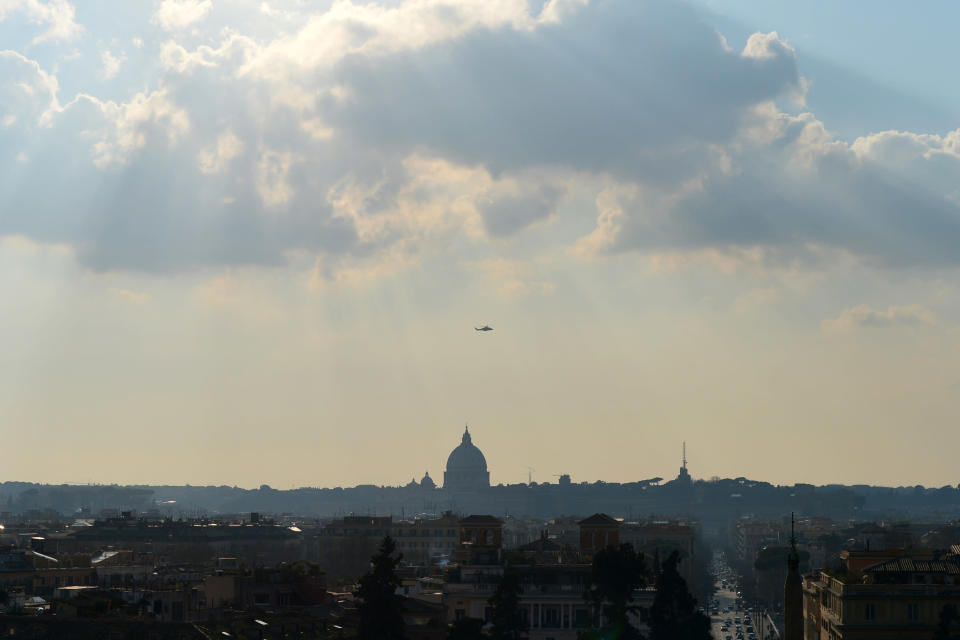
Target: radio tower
<point>684,477</point>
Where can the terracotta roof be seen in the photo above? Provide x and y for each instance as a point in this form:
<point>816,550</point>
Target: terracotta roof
<point>541,544</point>
<point>598,518</point>
<point>481,519</point>
<point>909,565</point>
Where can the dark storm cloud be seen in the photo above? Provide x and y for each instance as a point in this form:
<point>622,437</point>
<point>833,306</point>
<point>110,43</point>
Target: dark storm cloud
<point>508,214</point>
<point>622,87</point>
<point>794,197</point>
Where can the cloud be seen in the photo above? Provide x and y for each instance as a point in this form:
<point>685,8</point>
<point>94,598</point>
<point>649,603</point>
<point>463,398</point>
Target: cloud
<point>175,57</point>
<point>513,98</point>
<point>790,187</point>
<point>58,16</point>
<point>179,14</point>
<point>27,92</point>
<point>272,183</point>
<point>863,316</point>
<point>129,296</point>
<point>215,158</point>
<point>506,215</point>
<point>128,126</point>
<point>513,278</point>
<point>111,64</point>
<point>369,135</point>
<point>374,30</point>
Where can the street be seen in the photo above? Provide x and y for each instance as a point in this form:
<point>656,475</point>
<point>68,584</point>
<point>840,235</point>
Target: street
<point>728,620</point>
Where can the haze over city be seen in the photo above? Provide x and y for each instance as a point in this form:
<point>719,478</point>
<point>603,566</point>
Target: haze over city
<point>248,242</point>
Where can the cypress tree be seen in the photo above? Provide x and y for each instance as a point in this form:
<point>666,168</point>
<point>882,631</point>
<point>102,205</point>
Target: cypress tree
<point>380,609</point>
<point>674,615</point>
<point>466,629</point>
<point>616,573</point>
<point>506,618</point>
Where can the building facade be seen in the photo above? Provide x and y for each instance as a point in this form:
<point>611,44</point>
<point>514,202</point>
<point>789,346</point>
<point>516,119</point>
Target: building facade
<point>344,546</point>
<point>553,577</point>
<point>900,598</point>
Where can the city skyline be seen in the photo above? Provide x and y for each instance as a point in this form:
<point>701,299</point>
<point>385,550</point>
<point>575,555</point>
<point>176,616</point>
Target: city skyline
<point>248,243</point>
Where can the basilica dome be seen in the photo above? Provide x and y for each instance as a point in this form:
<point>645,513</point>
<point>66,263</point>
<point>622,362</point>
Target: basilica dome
<point>466,467</point>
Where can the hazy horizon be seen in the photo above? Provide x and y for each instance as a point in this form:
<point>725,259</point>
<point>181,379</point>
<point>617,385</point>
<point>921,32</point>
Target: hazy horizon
<point>248,243</point>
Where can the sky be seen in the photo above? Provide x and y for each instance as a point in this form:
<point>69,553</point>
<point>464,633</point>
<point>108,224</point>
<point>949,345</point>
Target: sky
<point>248,242</point>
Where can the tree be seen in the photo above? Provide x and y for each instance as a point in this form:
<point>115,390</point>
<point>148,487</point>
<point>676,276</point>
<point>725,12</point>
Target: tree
<point>506,620</point>
<point>948,617</point>
<point>616,573</point>
<point>466,629</point>
<point>674,615</point>
<point>380,606</point>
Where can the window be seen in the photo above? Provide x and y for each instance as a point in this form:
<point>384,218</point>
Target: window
<point>581,618</point>
<point>869,611</point>
<point>460,614</point>
<point>551,617</point>
<point>913,612</point>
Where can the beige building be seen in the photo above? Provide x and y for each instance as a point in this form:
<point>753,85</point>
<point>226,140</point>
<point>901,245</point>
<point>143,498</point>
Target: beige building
<point>898,598</point>
<point>344,546</point>
<point>554,577</point>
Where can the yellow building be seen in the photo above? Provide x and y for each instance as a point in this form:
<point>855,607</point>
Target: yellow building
<point>899,598</point>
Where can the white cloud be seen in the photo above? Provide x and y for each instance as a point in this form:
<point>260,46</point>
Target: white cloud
<point>173,15</point>
<point>609,221</point>
<point>273,171</point>
<point>111,63</point>
<point>129,296</point>
<point>175,57</point>
<point>863,316</point>
<point>27,92</point>
<point>215,158</point>
<point>57,16</point>
<point>372,29</point>
<point>125,128</point>
<point>767,46</point>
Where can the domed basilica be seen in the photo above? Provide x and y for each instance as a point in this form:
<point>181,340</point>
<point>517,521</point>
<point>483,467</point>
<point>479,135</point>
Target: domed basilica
<point>466,467</point>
